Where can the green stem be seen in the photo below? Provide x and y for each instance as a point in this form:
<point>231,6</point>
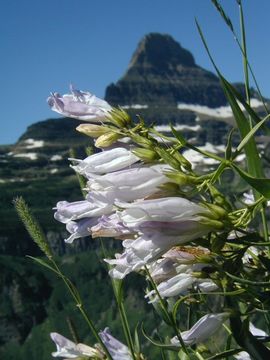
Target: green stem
<point>264,224</point>
<point>169,316</point>
<point>244,52</point>
<point>79,304</point>
<point>245,65</point>
<point>121,308</point>
<point>124,320</point>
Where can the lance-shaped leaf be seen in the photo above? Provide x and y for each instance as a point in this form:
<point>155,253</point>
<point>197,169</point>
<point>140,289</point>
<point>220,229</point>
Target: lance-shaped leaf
<point>262,185</point>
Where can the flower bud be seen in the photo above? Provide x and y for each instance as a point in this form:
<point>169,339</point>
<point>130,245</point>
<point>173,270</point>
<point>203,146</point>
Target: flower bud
<point>145,154</point>
<point>119,117</point>
<point>217,211</point>
<point>107,139</point>
<point>92,130</point>
<point>182,160</point>
<point>181,178</point>
<point>141,140</point>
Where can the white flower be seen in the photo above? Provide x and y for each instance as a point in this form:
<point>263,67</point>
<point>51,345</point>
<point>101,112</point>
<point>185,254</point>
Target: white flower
<point>176,285</point>
<point>182,282</point>
<point>129,184</point>
<point>162,269</point>
<point>117,350</point>
<point>69,350</point>
<point>80,105</point>
<point>161,224</point>
<point>202,330</point>
<point>80,228</point>
<point>146,248</point>
<point>171,209</point>
<point>110,226</point>
<point>97,204</point>
<point>105,161</point>
<point>206,285</point>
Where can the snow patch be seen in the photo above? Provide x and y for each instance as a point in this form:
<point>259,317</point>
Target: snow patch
<point>31,156</point>
<point>32,144</point>
<point>56,157</point>
<point>178,127</point>
<point>135,106</point>
<point>2,181</point>
<point>196,158</point>
<point>54,171</point>
<point>222,112</point>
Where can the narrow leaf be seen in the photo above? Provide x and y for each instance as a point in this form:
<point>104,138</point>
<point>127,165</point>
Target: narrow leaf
<point>251,134</point>
<point>43,263</point>
<point>262,185</point>
<point>228,151</point>
<point>247,107</point>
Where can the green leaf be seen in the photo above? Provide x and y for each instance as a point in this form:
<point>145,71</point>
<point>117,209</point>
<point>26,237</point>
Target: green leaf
<point>137,345</point>
<point>247,107</point>
<point>251,133</point>
<point>178,136</point>
<point>228,151</point>
<point>262,185</point>
<point>43,263</point>
<point>253,159</point>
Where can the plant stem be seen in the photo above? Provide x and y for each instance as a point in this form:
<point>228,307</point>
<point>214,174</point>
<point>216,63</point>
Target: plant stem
<point>74,293</point>
<point>121,308</point>
<point>168,315</point>
<point>246,73</point>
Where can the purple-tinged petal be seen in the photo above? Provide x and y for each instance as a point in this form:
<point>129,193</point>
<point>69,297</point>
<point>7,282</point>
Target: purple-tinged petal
<point>117,350</point>
<point>105,162</point>
<point>80,105</point>
<point>80,228</point>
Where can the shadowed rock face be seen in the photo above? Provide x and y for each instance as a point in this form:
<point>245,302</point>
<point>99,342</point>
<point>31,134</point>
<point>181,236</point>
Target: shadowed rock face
<point>161,71</point>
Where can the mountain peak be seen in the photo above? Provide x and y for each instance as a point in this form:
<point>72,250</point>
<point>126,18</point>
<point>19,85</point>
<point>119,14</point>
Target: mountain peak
<point>160,52</point>
<point>161,71</point>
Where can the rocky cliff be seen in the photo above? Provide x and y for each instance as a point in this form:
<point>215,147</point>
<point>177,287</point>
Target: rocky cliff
<point>161,71</point>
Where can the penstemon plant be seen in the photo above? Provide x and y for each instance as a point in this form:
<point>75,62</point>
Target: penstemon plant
<point>198,252</point>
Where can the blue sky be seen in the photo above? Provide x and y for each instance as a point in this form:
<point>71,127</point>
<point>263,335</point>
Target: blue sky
<point>47,44</point>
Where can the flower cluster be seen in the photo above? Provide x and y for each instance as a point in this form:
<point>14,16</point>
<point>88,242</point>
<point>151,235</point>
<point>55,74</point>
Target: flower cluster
<point>168,219</point>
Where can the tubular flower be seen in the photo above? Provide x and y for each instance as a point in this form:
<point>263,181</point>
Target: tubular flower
<point>164,210</point>
<point>69,350</point>
<point>168,266</point>
<point>161,224</point>
<point>110,226</point>
<point>80,228</point>
<point>143,250</point>
<point>130,184</point>
<point>181,283</point>
<point>95,205</point>
<point>105,161</point>
<point>117,350</point>
<point>202,330</point>
<point>80,105</point>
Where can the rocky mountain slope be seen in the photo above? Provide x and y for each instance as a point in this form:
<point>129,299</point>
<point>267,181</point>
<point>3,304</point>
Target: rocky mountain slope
<point>161,71</point>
